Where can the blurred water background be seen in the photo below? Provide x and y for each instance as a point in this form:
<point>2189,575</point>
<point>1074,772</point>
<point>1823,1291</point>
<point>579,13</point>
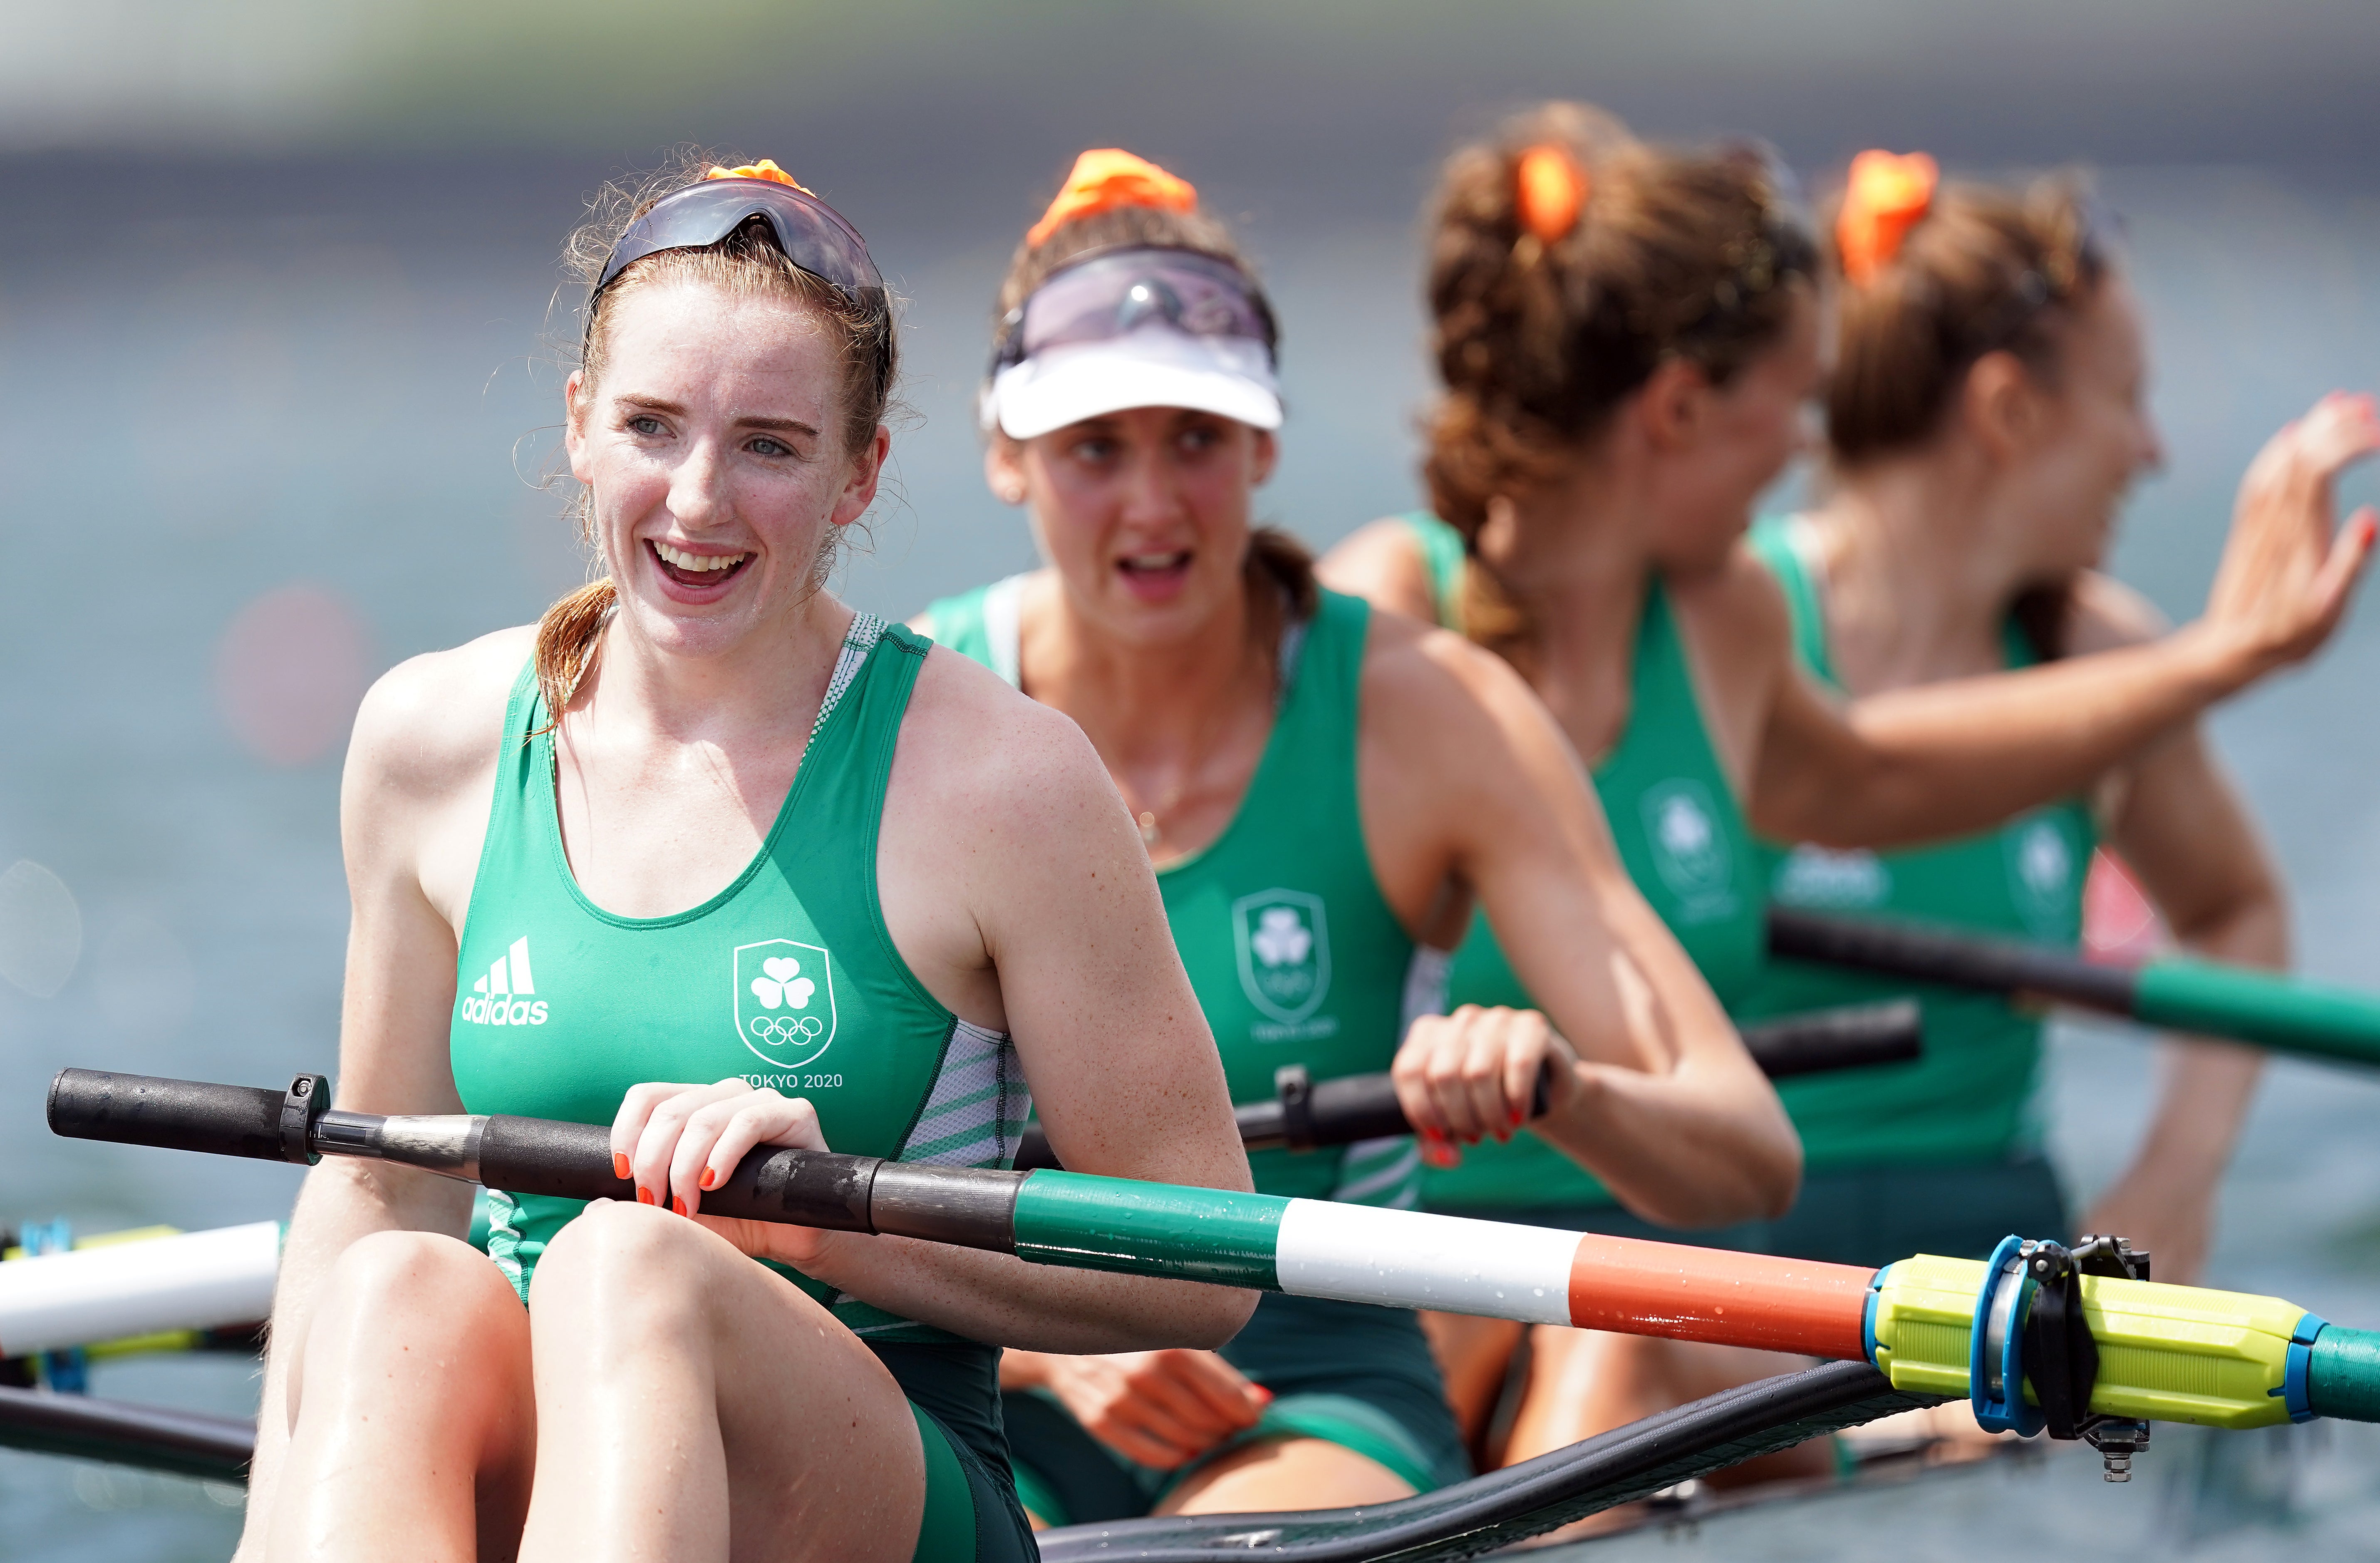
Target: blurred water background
<point>275,286</point>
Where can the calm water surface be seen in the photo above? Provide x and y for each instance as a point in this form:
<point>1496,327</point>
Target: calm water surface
<point>246,468</point>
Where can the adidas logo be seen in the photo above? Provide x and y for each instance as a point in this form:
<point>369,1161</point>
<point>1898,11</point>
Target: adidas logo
<point>506,995</point>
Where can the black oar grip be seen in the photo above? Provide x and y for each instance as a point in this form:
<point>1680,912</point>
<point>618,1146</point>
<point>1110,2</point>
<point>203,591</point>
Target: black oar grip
<point>1856,1036</point>
<point>542,1155</point>
<point>190,1115</point>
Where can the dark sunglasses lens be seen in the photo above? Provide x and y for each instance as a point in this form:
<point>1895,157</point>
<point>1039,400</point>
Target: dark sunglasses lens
<point>812,237</point>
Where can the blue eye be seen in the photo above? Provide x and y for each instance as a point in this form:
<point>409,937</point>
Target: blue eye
<point>643,424</point>
<point>768,447</point>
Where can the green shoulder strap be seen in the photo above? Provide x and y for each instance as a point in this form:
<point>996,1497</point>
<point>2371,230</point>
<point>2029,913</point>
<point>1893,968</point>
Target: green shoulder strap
<point>1442,556</point>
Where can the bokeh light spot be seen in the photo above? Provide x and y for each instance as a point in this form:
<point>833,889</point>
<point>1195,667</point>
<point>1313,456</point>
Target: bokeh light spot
<point>40,929</point>
<point>289,671</point>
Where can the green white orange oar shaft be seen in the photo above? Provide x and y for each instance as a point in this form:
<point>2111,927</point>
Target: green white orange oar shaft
<point>2166,1352</point>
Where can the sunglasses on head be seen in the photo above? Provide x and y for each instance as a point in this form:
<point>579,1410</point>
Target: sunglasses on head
<point>811,234</point>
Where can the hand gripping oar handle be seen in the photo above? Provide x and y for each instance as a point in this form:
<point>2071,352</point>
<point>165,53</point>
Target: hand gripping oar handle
<point>1308,1115</point>
<point>534,1155</point>
<point>2285,1015</point>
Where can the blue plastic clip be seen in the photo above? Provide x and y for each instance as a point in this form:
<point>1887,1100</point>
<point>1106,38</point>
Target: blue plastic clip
<point>1867,1316</point>
<point>2293,1389</point>
<point>66,1371</point>
<point>1997,1339</point>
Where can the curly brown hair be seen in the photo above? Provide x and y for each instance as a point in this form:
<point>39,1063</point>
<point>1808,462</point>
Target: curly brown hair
<point>1674,254</point>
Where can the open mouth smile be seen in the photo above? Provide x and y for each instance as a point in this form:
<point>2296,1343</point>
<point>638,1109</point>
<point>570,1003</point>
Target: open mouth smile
<point>696,571</point>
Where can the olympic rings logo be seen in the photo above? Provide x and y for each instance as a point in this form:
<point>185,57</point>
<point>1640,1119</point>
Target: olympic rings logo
<point>786,1031</point>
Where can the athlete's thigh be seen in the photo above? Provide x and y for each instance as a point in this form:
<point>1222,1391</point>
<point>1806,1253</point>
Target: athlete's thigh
<point>821,1447</point>
<point>1286,1474</point>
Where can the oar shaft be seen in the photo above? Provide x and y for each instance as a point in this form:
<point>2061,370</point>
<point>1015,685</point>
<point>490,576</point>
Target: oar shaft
<point>2283,1013</point>
<point>195,1280</point>
<point>1956,961</point>
<point>2170,1352</point>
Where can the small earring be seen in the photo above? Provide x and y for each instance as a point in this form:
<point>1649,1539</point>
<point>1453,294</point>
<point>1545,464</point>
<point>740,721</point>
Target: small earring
<point>1013,495</point>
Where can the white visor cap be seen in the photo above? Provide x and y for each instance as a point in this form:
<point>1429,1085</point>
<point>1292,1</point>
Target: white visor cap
<point>1154,367</point>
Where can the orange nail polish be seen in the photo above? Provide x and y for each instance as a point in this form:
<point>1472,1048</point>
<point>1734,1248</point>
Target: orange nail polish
<point>643,1195</point>
<point>620,1166</point>
<point>677,1206</point>
<point>709,1180</point>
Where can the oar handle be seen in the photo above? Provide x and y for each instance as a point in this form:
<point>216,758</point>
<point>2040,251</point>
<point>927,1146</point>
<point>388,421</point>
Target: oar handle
<point>535,1156</point>
<point>1364,1107</point>
<point>1856,1037</point>
<point>190,1115</point>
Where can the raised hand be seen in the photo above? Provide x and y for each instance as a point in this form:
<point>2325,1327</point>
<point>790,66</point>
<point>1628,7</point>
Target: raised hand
<point>2287,576</point>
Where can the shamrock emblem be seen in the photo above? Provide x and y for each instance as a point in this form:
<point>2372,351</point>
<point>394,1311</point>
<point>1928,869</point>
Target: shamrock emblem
<point>1282,938</point>
<point>1683,829</point>
<point>783,984</point>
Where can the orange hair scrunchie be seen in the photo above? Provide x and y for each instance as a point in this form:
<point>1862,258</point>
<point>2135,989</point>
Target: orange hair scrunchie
<point>1885,198</point>
<point>1105,178</point>
<point>765,169</point>
<point>1552,190</point>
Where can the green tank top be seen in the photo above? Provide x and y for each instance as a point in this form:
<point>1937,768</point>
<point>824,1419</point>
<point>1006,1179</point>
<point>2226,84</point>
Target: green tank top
<point>1294,954</point>
<point>1684,839</point>
<point>1970,1098</point>
<point>787,977</point>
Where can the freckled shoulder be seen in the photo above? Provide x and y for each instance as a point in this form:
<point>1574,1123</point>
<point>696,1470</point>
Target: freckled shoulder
<point>971,740</point>
<point>433,722</point>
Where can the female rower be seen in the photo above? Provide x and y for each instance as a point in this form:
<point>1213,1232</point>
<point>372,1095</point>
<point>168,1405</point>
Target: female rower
<point>1986,416</point>
<point>722,829</point>
<point>1627,335</point>
<point>1312,781</point>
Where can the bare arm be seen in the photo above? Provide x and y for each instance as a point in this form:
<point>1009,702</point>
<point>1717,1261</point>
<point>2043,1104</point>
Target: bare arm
<point>1654,1092</point>
<point>1379,563</point>
<point>1946,759</point>
<point>1005,847</point>
<point>2183,831</point>
<point>424,735</point>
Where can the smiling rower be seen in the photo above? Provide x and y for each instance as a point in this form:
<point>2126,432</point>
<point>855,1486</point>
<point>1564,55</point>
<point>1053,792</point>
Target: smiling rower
<point>776,873</point>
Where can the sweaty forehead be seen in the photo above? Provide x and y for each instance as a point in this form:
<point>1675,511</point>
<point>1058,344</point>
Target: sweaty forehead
<point>687,339</point>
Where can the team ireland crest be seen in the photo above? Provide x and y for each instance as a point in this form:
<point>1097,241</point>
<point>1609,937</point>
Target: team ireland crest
<point>1689,850</point>
<point>784,1001</point>
<point>1284,945</point>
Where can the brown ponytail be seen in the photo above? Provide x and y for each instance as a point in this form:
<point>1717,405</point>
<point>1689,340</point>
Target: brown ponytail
<point>1986,270</point>
<point>1537,342</point>
<point>569,634</point>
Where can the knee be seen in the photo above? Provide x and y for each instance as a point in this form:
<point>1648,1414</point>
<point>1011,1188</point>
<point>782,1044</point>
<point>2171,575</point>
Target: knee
<point>394,1276</point>
<point>405,1297</point>
<point>622,1263</point>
